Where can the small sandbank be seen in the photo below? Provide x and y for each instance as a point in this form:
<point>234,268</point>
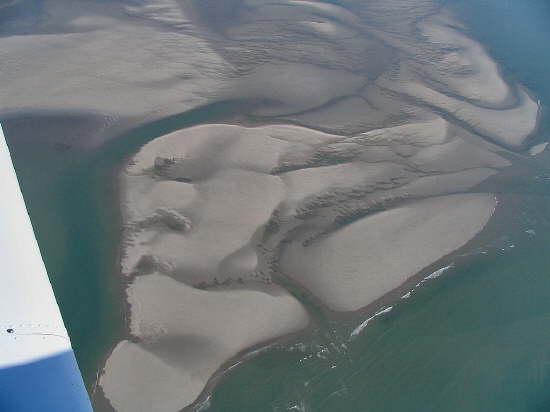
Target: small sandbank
<point>212,214</point>
<point>184,335</point>
<point>361,262</point>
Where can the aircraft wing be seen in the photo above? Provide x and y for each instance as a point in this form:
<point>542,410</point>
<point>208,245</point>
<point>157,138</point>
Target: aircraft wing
<point>38,370</point>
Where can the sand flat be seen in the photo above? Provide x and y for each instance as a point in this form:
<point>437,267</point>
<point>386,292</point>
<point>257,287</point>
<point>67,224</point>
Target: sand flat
<point>368,258</point>
<point>185,335</point>
<point>225,196</point>
<point>231,186</point>
<point>456,155</point>
<point>510,127</point>
<point>198,203</point>
<point>464,58</point>
<point>206,210</point>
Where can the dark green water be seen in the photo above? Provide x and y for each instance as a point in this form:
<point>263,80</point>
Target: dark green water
<point>66,202</point>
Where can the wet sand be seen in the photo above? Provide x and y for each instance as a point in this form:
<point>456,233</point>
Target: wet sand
<point>363,261</point>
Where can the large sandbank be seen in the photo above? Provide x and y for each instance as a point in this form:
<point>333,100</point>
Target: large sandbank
<point>363,261</point>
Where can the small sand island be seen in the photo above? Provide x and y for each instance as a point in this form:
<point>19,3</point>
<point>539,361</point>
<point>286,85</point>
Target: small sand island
<point>363,134</point>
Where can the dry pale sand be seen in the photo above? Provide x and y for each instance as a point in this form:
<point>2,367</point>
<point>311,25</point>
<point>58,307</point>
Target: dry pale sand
<point>359,263</point>
<point>185,335</point>
<point>196,201</point>
<point>510,127</point>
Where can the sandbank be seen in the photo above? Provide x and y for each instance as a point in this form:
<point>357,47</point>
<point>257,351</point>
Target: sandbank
<point>184,335</point>
<point>363,261</point>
